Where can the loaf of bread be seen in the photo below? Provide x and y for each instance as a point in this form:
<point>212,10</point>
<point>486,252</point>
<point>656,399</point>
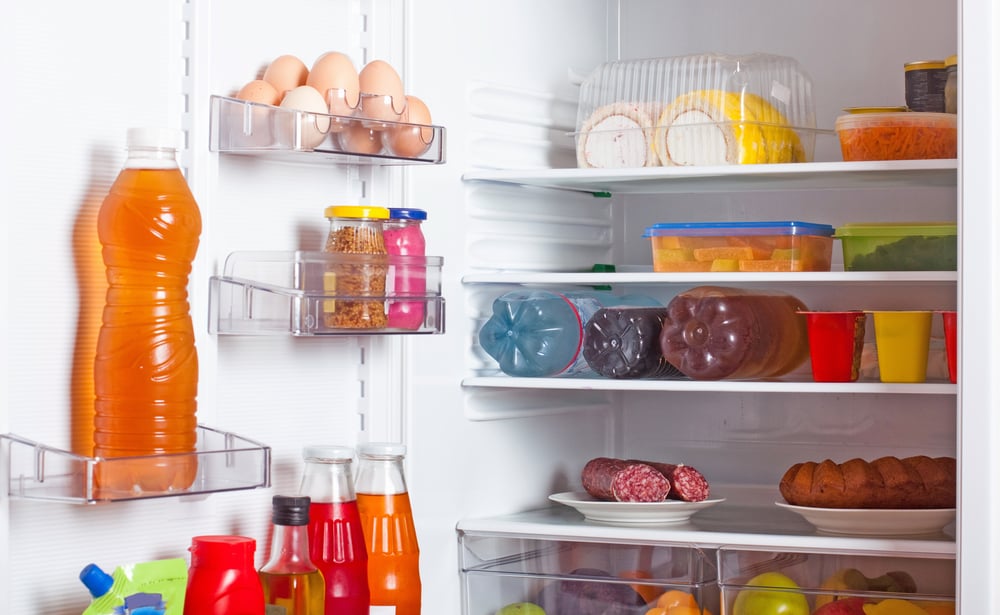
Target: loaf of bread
<point>887,482</point>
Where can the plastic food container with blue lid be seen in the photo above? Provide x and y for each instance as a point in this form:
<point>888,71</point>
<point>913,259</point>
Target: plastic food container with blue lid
<point>756,246</point>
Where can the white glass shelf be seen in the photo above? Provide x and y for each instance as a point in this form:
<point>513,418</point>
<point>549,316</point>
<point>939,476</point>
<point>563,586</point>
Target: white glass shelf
<point>734,178</point>
<point>747,518</point>
<point>647,276</point>
<point>36,471</point>
<point>295,293</point>
<point>257,129</point>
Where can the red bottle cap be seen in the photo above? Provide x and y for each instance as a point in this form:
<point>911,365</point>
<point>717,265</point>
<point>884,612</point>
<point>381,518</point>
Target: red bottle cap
<point>222,551</point>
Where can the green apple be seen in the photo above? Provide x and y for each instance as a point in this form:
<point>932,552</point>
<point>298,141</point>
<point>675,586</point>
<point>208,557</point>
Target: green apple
<point>521,608</point>
<point>781,600</point>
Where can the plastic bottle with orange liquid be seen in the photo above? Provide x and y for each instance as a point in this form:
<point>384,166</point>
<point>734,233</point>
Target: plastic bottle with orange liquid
<point>146,367</point>
<point>391,536</point>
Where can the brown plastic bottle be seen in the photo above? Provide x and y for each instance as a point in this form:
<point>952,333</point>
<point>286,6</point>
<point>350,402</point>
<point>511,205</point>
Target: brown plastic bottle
<point>714,332</point>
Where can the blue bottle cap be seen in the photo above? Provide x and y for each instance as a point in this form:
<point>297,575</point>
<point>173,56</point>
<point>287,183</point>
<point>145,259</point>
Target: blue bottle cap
<point>401,213</point>
<point>96,580</point>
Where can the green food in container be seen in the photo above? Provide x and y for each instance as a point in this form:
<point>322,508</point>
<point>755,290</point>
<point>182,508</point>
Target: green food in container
<point>903,246</point>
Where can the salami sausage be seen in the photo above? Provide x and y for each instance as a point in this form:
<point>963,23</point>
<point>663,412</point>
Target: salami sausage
<point>624,481</point>
<point>686,483</point>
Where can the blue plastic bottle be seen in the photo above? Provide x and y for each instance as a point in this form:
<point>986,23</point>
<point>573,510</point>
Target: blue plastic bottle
<point>538,333</point>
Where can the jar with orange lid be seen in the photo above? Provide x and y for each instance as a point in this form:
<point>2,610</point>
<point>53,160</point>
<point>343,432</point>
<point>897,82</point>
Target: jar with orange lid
<point>355,280</point>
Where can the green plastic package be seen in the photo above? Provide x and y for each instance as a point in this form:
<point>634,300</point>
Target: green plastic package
<point>146,588</point>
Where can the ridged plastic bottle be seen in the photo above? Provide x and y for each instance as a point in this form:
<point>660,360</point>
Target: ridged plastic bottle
<point>146,367</point>
<point>390,533</point>
<point>538,333</point>
<point>336,538</point>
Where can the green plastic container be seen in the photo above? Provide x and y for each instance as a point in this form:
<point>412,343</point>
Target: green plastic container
<point>901,246</point>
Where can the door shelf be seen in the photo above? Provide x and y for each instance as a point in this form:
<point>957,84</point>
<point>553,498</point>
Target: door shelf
<point>319,294</point>
<point>225,462</point>
<point>261,130</point>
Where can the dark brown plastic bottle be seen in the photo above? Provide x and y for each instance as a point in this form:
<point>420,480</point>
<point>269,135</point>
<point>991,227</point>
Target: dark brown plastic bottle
<point>714,332</point>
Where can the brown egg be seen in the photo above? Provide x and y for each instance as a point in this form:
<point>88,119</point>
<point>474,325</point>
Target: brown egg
<point>334,76</point>
<point>411,141</point>
<point>359,138</point>
<point>259,91</point>
<point>382,96</point>
<point>286,73</point>
<point>305,130</point>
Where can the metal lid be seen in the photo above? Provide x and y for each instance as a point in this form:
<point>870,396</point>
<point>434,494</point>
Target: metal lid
<point>328,452</point>
<point>923,65</point>
<point>356,211</point>
<point>401,213</point>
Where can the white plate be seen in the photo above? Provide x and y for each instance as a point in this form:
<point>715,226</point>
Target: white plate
<point>875,522</point>
<point>631,513</point>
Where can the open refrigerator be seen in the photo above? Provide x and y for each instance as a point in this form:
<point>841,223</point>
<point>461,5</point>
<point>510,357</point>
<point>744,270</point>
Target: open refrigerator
<point>507,208</point>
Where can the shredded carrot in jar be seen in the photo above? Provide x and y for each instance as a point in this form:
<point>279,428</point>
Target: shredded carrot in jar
<point>898,142</point>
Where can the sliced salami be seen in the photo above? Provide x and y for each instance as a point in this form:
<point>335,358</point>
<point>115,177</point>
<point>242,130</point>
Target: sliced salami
<point>618,480</point>
<point>687,484</point>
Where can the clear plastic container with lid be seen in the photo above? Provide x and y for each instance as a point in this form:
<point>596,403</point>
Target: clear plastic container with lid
<point>703,109</point>
<point>405,238</point>
<point>393,551</point>
<point>358,279</point>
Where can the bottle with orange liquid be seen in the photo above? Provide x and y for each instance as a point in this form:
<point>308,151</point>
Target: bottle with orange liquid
<point>146,367</point>
<point>336,539</point>
<point>393,552</point>
<point>292,583</point>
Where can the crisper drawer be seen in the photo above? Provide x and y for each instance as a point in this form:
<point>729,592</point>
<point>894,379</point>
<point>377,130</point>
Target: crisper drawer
<point>798,583</point>
<point>500,573</point>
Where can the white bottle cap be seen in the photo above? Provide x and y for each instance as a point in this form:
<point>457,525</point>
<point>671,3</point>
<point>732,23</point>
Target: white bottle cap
<point>330,452</point>
<point>382,449</point>
<point>155,138</point>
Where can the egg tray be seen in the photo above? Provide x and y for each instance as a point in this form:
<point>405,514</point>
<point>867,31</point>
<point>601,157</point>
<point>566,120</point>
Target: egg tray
<point>243,127</point>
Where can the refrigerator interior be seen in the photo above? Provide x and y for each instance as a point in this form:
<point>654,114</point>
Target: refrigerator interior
<point>504,84</point>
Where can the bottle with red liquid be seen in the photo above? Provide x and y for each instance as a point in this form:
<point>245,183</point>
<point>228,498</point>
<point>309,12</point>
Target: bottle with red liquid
<point>146,366</point>
<point>387,519</point>
<point>403,237</point>
<point>336,539</point>
<point>222,579</point>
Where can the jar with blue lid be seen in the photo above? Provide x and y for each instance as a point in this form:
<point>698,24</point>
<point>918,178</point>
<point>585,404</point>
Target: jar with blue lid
<point>406,246</point>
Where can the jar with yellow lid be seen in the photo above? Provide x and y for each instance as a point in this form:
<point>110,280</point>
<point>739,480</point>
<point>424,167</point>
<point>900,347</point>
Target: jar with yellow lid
<point>925,85</point>
<point>356,279</point>
<point>951,84</point>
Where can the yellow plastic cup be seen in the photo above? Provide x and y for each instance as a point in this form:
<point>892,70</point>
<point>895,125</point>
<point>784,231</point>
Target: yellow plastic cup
<point>902,339</point>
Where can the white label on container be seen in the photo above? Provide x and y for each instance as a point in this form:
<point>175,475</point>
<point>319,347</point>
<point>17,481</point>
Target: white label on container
<point>780,91</point>
<point>376,609</point>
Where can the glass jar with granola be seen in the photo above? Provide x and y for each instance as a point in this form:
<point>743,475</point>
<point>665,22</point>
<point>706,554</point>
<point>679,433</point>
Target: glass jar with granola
<point>356,279</point>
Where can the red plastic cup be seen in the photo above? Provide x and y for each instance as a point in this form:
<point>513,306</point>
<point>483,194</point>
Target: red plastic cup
<point>836,340</point>
<point>951,343</point>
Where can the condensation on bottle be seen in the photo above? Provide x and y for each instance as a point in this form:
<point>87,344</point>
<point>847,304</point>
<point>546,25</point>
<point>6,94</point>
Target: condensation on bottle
<point>146,364</point>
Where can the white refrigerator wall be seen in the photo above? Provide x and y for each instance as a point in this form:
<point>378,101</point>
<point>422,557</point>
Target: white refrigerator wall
<point>501,79</point>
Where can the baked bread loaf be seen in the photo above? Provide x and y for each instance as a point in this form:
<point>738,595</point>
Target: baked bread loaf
<point>887,482</point>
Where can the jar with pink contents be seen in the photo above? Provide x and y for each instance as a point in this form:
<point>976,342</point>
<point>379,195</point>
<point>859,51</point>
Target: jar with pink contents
<point>404,238</point>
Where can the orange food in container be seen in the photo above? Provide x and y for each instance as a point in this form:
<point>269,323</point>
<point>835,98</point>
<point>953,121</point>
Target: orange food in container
<point>741,246</point>
<point>897,136</point>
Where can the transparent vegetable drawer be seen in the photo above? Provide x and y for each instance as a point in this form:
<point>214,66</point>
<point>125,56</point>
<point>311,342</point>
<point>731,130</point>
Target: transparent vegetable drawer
<point>320,293</point>
<point>559,576</point>
<point>225,462</point>
<point>798,583</point>
<point>242,127</point>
